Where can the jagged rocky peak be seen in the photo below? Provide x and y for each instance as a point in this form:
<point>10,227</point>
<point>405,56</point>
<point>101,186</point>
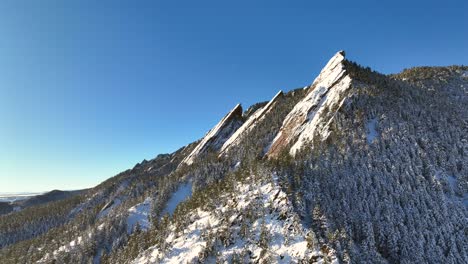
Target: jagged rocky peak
<point>250,123</point>
<point>216,137</point>
<point>251,110</point>
<point>311,117</point>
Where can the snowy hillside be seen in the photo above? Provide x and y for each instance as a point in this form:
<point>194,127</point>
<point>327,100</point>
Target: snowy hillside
<point>253,223</point>
<point>358,167</point>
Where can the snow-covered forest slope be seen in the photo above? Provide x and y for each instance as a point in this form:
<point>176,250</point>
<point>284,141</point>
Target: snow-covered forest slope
<point>357,167</point>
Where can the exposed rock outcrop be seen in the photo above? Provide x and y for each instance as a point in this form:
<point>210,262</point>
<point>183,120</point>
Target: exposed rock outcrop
<point>250,123</point>
<point>311,117</point>
<point>215,138</point>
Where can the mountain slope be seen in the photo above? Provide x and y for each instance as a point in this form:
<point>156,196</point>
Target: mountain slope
<point>358,167</point>
<point>250,123</point>
<point>314,113</point>
<point>253,222</point>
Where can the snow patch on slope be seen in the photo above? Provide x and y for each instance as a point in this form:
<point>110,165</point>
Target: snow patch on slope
<point>108,207</point>
<point>139,215</point>
<point>183,192</point>
<point>73,245</point>
<point>249,124</point>
<point>217,135</point>
<point>272,216</point>
<point>371,130</point>
<point>450,186</point>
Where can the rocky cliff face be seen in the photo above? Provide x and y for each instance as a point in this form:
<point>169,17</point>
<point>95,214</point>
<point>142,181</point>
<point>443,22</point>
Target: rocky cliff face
<point>311,117</point>
<point>250,123</point>
<point>215,138</point>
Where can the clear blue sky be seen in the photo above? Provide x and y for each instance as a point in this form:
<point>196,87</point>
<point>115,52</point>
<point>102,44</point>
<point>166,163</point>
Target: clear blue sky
<point>88,89</point>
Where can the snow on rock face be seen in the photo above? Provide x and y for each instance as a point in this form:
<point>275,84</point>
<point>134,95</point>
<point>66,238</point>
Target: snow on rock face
<point>313,114</point>
<point>215,138</point>
<point>266,210</point>
<point>139,215</point>
<point>249,124</point>
<point>371,130</point>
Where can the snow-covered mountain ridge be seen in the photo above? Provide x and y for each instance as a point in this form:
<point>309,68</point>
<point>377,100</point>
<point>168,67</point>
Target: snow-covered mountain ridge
<point>254,223</point>
<point>358,167</point>
<point>250,123</point>
<point>327,93</point>
<point>218,135</point>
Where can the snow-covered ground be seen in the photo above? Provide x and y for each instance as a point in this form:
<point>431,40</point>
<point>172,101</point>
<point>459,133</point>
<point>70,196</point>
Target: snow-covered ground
<point>64,248</point>
<point>183,192</point>
<point>271,216</point>
<point>371,130</point>
<point>249,124</point>
<point>139,215</point>
<point>451,190</point>
<point>327,98</point>
<point>108,207</point>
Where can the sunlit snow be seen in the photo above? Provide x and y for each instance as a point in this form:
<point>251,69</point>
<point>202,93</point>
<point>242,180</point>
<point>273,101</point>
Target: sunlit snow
<point>183,192</point>
<point>371,130</point>
<point>108,207</point>
<point>216,136</point>
<point>139,215</point>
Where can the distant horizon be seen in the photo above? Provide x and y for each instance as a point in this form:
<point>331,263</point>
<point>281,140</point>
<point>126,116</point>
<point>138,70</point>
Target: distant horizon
<point>89,89</point>
<point>5,194</point>
<point>38,192</point>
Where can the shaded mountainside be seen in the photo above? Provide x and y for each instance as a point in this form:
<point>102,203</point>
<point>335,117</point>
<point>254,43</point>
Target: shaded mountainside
<point>358,167</point>
<point>51,196</point>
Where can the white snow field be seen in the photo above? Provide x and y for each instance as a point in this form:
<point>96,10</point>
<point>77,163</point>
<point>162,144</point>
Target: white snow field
<point>273,216</point>
<point>183,192</point>
<point>139,215</point>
